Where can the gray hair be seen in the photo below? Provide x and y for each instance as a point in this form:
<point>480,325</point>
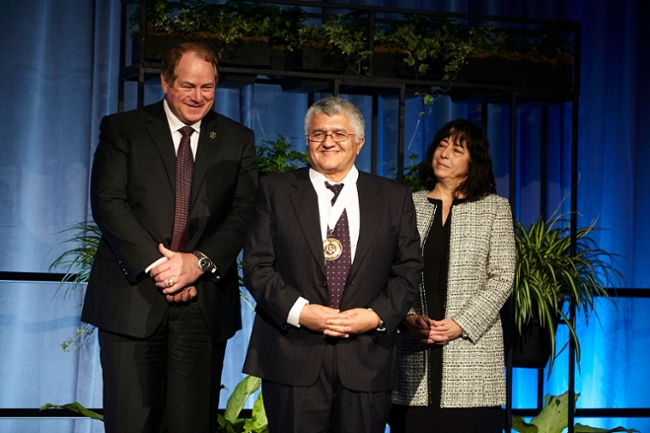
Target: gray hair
<point>336,105</point>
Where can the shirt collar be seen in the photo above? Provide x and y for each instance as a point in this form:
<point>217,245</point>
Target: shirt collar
<point>175,123</point>
<point>320,179</point>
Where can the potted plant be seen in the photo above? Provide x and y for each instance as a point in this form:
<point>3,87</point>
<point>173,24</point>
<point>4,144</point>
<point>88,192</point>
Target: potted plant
<point>554,419</point>
<point>431,47</point>
<point>240,33</point>
<point>230,422</point>
<point>337,45</point>
<point>537,57</point>
<point>548,279</point>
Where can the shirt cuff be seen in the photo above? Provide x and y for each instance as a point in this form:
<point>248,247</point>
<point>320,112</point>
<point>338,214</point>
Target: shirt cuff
<point>154,264</point>
<point>381,327</point>
<point>294,313</point>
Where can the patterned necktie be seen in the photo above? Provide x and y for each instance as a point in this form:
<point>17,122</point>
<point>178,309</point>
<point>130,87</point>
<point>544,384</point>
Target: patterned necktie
<point>337,270</point>
<point>184,170</point>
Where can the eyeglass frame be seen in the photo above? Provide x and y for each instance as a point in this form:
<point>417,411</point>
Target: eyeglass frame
<point>331,134</point>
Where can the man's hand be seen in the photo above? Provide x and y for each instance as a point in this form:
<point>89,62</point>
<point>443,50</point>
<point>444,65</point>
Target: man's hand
<point>185,295</point>
<point>418,325</point>
<point>315,317</point>
<point>181,269</point>
<point>352,322</point>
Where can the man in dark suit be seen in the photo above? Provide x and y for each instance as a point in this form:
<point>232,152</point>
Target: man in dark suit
<point>332,259</point>
<point>172,190</point>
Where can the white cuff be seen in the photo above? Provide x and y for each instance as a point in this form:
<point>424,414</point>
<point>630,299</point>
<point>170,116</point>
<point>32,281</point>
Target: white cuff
<point>294,313</point>
<point>154,264</point>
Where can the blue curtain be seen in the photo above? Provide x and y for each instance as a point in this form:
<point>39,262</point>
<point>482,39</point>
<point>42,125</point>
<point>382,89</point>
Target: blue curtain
<point>58,77</point>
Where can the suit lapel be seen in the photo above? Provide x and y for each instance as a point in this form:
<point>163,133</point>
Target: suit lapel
<point>370,216</point>
<point>158,129</point>
<point>305,205</point>
<point>209,141</point>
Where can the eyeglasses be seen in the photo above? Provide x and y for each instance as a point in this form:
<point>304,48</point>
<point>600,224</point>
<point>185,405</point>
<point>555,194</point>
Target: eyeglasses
<point>338,137</point>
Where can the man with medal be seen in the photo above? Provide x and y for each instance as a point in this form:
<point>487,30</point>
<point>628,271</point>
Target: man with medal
<point>333,260</point>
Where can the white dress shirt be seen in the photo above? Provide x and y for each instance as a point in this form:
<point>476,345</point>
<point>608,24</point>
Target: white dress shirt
<point>175,125</point>
<point>328,215</point>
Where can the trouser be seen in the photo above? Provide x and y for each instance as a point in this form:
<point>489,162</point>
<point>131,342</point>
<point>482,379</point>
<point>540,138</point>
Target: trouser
<point>178,368</point>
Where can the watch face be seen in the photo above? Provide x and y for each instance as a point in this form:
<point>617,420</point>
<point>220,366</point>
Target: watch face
<point>204,264</point>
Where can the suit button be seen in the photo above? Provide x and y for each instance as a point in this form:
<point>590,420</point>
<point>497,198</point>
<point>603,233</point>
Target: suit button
<point>325,283</point>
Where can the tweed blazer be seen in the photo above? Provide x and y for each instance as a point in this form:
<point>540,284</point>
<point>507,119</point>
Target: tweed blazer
<point>480,278</point>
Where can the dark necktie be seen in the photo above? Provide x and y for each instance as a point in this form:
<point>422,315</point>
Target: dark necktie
<point>337,270</point>
<point>184,170</point>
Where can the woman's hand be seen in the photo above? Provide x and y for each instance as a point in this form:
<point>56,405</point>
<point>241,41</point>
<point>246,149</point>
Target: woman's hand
<point>432,331</point>
<point>445,330</point>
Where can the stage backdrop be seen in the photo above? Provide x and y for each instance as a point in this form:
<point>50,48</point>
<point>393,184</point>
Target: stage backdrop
<point>58,77</point>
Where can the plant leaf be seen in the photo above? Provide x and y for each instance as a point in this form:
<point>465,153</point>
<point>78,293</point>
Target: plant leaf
<point>258,422</point>
<point>554,417</point>
<point>75,407</point>
<point>579,428</point>
<point>522,426</point>
<point>244,389</point>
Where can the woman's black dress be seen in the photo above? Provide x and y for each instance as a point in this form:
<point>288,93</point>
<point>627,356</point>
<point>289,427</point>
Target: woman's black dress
<point>432,418</point>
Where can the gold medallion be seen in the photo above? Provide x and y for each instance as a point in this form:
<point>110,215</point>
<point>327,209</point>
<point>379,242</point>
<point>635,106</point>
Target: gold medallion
<point>332,249</point>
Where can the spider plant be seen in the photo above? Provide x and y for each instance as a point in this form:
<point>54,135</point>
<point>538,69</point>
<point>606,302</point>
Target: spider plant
<point>548,276</point>
<point>78,261</point>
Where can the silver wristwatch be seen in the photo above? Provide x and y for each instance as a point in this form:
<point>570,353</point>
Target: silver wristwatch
<point>205,264</point>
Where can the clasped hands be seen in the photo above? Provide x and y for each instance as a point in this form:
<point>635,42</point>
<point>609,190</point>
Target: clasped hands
<point>335,323</point>
<point>433,331</point>
<point>176,277</point>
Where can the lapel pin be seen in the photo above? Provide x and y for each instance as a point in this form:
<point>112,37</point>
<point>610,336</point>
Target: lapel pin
<point>213,135</point>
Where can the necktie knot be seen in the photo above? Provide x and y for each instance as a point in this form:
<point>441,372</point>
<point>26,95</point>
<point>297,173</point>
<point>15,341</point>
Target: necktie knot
<point>336,189</point>
<point>186,131</point>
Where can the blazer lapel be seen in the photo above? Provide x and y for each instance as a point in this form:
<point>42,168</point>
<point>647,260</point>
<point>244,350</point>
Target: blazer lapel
<point>370,216</point>
<point>305,205</point>
<point>158,129</point>
<point>209,141</point>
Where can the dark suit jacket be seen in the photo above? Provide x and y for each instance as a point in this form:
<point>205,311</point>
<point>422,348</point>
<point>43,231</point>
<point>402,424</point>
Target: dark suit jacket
<point>132,194</point>
<point>283,260</point>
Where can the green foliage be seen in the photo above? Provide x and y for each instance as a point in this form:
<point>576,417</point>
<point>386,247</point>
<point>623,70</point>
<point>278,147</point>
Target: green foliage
<point>276,156</point>
<point>82,335</point>
<point>345,36</point>
<point>544,43</point>
<point>349,35</point>
<point>230,422</point>
<point>547,276</point>
<point>410,174</point>
<point>78,261</point>
<point>554,419</point>
<point>427,42</point>
<point>229,22</point>
<point>75,407</point>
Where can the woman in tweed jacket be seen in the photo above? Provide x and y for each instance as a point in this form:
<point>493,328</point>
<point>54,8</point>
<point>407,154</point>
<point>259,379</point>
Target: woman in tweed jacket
<point>450,352</point>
